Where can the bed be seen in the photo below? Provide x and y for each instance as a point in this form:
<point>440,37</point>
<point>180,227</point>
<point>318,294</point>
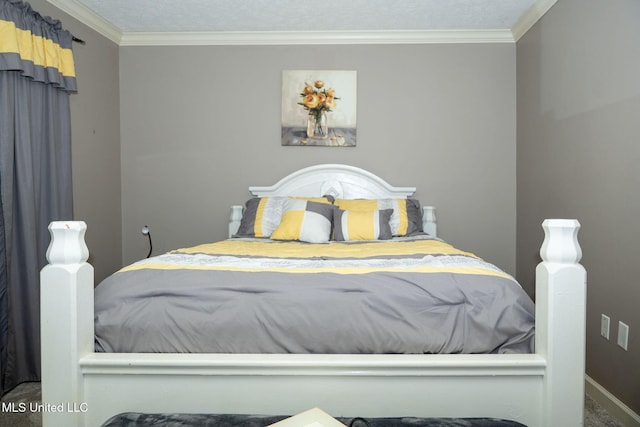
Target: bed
<point>543,387</point>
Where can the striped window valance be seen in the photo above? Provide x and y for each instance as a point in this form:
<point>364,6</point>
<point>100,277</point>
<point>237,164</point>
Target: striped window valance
<point>36,46</point>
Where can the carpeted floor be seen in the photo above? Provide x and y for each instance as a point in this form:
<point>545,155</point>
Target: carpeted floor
<point>26,393</point>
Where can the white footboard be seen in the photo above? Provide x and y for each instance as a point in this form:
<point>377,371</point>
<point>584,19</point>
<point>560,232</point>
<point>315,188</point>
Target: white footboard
<point>83,388</point>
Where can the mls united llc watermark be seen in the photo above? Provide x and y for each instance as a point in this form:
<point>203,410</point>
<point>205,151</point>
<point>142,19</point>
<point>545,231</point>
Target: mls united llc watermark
<point>23,407</point>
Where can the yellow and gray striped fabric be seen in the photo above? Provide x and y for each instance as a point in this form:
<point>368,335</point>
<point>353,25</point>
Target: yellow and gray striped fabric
<point>361,225</point>
<point>305,221</point>
<point>37,47</point>
<point>406,218</point>
<point>419,253</point>
<point>261,216</point>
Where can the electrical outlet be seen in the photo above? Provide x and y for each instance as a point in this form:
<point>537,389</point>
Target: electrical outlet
<point>605,324</point>
<point>623,335</point>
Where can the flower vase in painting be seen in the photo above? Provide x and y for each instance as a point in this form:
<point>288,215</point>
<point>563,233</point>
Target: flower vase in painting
<point>318,101</point>
<point>317,127</point>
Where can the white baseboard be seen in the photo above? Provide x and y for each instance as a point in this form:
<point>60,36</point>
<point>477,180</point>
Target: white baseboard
<point>612,404</point>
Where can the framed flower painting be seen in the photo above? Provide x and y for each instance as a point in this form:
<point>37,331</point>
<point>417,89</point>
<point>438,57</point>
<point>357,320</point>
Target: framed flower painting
<point>319,108</point>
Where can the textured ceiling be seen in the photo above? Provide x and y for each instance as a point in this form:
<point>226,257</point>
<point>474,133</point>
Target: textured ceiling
<point>288,22</point>
<point>307,15</point>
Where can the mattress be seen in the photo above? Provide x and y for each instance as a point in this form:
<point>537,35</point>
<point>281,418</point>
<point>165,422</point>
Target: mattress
<point>407,295</point>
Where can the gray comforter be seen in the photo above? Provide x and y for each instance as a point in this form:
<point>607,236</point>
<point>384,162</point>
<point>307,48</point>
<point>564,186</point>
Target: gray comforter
<point>407,295</point>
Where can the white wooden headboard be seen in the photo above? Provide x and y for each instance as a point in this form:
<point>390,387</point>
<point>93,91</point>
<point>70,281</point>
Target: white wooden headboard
<point>339,181</point>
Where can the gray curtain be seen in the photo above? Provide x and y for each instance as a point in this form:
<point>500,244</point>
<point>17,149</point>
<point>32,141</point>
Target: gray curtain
<point>36,76</point>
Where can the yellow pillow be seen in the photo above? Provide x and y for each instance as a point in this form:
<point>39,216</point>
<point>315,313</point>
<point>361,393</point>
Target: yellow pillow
<point>405,219</point>
<point>361,225</point>
<point>306,221</point>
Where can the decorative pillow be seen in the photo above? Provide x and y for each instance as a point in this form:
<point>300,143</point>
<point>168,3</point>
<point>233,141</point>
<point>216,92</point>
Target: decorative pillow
<point>261,216</point>
<point>405,220</point>
<point>362,225</point>
<point>306,221</point>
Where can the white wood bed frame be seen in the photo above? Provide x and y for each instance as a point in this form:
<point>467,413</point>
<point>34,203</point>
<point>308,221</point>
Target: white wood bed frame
<point>84,388</point>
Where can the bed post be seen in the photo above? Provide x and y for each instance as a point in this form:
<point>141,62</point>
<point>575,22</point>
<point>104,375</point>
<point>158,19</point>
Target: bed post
<point>560,323</point>
<point>429,225</point>
<point>66,318</point>
<point>234,219</point>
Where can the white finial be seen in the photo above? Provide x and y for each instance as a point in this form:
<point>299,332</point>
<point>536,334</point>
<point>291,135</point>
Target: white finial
<point>67,243</point>
<point>429,213</point>
<point>561,241</point>
<point>236,213</point>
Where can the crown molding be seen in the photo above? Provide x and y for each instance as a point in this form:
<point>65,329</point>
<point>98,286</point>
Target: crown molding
<point>89,18</point>
<point>315,37</point>
<point>530,17</point>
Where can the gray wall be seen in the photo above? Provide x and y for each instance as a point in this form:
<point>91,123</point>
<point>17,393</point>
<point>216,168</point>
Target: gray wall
<point>200,124</point>
<point>95,133</point>
<point>578,156</point>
